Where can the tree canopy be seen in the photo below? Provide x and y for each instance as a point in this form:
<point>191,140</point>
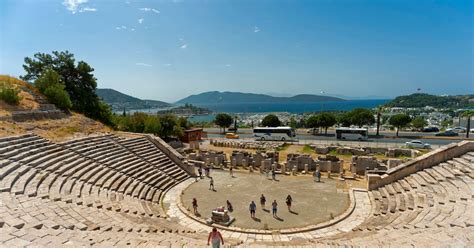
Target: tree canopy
<point>165,126</point>
<point>50,85</point>
<point>357,117</point>
<point>271,120</point>
<point>77,78</point>
<point>399,121</point>
<point>326,120</point>
<point>419,122</point>
<point>223,120</point>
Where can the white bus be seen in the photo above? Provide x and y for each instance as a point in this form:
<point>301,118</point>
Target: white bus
<point>274,133</point>
<point>347,133</point>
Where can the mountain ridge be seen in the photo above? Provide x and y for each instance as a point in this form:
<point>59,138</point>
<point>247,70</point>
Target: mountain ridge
<point>119,101</point>
<point>218,97</point>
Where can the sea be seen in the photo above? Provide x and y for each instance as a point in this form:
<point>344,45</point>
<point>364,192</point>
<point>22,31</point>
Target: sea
<point>296,108</point>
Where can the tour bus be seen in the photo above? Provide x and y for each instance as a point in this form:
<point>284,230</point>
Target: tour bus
<point>274,133</point>
<point>347,133</point>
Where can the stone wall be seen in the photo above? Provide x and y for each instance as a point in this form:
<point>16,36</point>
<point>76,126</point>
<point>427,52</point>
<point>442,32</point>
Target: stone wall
<point>360,164</point>
<point>428,160</point>
<point>209,157</point>
<point>30,115</point>
<point>389,152</point>
<point>246,144</point>
<point>171,153</point>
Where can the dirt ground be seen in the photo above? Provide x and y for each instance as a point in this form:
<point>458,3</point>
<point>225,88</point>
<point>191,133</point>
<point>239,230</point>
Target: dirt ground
<point>312,202</point>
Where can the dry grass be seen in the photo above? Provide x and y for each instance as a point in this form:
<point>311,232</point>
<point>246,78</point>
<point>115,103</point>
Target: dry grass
<point>27,103</point>
<point>56,130</point>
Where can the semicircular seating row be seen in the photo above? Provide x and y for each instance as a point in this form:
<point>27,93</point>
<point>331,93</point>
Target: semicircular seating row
<point>433,207</point>
<point>97,190</point>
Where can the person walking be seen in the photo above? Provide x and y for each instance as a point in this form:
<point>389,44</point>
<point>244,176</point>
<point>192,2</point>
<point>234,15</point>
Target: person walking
<point>262,201</point>
<point>273,174</point>
<point>231,171</point>
<point>288,202</point>
<point>216,238</point>
<point>252,208</point>
<point>211,184</point>
<point>195,206</point>
<point>318,175</point>
<point>200,172</point>
<point>229,206</point>
<point>274,208</point>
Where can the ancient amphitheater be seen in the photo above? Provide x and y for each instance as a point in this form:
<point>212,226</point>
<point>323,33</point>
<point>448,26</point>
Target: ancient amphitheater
<point>108,190</point>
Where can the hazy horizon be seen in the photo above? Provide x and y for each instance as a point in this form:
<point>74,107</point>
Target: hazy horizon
<point>168,50</point>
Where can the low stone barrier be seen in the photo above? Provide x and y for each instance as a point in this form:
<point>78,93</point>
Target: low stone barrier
<point>36,115</point>
<point>246,144</point>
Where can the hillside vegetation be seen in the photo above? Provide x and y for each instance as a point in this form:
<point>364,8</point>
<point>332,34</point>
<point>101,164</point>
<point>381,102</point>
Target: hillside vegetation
<point>74,125</point>
<point>419,100</point>
<point>120,101</point>
<point>26,91</point>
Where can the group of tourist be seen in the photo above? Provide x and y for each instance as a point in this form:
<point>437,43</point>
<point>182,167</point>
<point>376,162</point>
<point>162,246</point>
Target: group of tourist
<point>263,200</point>
<point>207,172</point>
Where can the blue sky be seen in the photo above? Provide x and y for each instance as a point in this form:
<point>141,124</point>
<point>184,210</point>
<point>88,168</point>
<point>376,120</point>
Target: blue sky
<point>167,50</point>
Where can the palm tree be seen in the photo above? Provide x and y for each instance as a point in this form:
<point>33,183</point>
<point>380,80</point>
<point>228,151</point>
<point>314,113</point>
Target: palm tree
<point>380,109</point>
<point>468,114</point>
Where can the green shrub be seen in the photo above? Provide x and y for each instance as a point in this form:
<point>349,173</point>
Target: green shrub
<point>10,95</point>
<point>46,80</point>
<point>58,96</point>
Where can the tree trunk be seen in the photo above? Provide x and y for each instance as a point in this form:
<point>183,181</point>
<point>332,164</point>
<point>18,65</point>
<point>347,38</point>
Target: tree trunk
<point>468,126</point>
<point>397,130</point>
<point>326,131</point>
<point>378,123</point>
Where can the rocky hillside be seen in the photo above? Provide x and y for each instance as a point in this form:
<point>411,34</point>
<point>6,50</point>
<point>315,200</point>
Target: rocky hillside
<point>63,126</point>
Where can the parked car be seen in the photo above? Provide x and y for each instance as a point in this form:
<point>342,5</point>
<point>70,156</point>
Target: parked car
<point>430,130</point>
<point>417,144</point>
<point>231,136</point>
<point>313,131</point>
<point>457,129</point>
<point>447,133</point>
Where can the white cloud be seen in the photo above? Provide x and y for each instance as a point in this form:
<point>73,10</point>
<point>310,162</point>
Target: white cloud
<point>121,27</point>
<point>141,20</point>
<point>184,46</point>
<point>256,29</point>
<point>166,65</point>
<point>149,9</point>
<point>88,9</point>
<point>76,6</point>
<point>143,64</point>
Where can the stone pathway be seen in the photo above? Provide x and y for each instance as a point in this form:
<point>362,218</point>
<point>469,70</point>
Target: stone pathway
<point>361,212</point>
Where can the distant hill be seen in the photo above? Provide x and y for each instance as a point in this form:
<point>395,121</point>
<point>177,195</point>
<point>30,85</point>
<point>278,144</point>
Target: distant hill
<point>419,100</point>
<point>120,101</point>
<point>216,97</point>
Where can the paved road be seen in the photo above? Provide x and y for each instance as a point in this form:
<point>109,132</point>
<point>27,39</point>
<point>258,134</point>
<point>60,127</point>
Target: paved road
<point>386,136</point>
